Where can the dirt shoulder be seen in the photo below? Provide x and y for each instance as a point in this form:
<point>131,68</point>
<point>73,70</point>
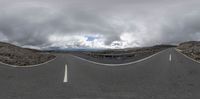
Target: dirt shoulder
<point>14,55</point>
<point>191,49</point>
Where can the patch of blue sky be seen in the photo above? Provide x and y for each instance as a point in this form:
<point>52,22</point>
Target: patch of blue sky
<point>91,38</point>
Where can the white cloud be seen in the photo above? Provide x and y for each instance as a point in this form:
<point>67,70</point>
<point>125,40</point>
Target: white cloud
<point>77,41</point>
<point>108,24</point>
<point>3,38</point>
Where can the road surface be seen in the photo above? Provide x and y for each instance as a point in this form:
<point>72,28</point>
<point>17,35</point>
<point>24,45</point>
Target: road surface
<point>167,75</point>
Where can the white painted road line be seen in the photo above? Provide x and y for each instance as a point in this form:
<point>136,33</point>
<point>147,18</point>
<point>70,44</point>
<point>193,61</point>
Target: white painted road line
<point>65,76</point>
<point>179,51</point>
<point>28,66</point>
<point>118,64</point>
<point>170,57</point>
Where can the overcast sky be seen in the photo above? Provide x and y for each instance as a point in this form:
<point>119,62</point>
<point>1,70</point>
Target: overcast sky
<point>98,23</point>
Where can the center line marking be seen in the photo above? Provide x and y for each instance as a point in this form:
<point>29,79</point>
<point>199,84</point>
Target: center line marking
<point>170,57</point>
<point>65,76</point>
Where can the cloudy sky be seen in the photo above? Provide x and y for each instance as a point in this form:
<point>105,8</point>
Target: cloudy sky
<point>98,23</point>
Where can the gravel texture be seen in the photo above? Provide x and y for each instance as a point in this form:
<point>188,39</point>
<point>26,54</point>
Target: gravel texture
<point>191,49</point>
<point>14,55</point>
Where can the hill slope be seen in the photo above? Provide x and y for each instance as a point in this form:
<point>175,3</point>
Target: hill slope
<point>14,55</point>
<point>191,49</point>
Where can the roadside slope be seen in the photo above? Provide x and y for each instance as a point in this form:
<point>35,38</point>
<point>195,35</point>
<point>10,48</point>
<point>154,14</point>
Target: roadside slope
<point>191,49</point>
<point>14,55</point>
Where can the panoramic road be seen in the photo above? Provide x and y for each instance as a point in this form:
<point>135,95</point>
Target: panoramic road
<point>166,75</point>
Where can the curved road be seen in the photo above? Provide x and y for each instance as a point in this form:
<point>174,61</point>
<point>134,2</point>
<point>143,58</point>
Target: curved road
<point>167,75</point>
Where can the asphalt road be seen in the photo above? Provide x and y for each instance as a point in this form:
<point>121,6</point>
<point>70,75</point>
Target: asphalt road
<point>167,75</point>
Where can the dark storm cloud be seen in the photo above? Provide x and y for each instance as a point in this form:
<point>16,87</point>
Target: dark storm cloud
<point>131,22</point>
<point>182,26</point>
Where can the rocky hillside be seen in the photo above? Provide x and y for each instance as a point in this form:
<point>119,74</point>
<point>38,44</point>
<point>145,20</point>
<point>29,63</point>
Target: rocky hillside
<point>191,49</point>
<point>14,55</point>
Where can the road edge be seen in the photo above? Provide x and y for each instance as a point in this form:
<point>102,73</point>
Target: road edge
<point>28,66</point>
<point>179,51</point>
<point>133,62</point>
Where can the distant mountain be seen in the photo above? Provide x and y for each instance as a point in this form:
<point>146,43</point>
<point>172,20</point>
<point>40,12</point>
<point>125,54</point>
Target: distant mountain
<point>165,45</point>
<point>189,44</point>
<point>58,49</point>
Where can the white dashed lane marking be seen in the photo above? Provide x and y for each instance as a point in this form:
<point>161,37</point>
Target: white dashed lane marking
<point>170,57</point>
<point>65,76</point>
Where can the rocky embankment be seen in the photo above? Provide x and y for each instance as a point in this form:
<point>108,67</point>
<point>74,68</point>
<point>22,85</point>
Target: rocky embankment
<point>191,49</point>
<point>14,55</point>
